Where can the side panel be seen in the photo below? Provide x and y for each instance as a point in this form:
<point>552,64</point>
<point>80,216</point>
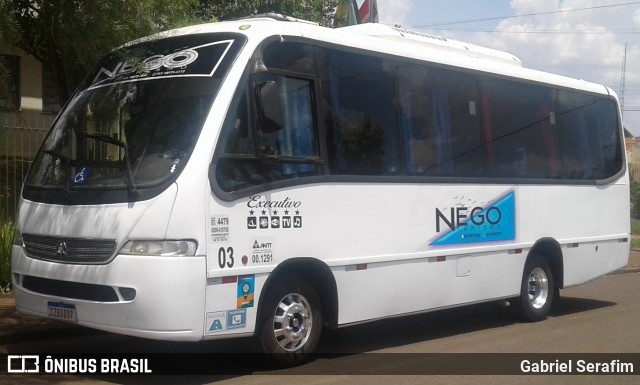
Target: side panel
<point>591,223</point>
<point>388,289</point>
<point>588,260</point>
<point>384,243</point>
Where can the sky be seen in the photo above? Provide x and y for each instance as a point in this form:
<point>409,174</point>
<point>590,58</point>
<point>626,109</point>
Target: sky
<point>582,39</point>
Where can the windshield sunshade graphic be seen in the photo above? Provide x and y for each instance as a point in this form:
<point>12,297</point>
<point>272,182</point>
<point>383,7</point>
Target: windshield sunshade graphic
<point>141,64</point>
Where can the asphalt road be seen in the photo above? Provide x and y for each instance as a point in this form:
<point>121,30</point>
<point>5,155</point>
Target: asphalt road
<point>602,316</point>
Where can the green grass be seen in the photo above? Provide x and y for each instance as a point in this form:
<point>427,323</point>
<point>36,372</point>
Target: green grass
<point>635,234</point>
<point>7,232</point>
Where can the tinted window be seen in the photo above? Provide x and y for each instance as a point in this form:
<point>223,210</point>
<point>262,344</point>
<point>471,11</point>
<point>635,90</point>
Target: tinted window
<point>361,115</point>
<point>383,116</point>
<point>254,155</point>
<point>589,136</point>
<point>521,130</point>
<point>440,123</point>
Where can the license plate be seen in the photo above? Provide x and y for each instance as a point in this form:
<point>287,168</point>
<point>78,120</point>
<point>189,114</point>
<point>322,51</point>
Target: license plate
<point>62,311</point>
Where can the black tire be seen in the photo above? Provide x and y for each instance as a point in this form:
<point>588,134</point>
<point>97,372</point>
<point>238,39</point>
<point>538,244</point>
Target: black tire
<point>537,290</point>
<point>290,322</point>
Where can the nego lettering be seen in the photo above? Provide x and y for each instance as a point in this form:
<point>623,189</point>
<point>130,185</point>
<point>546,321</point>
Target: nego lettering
<point>172,61</point>
<point>458,217</point>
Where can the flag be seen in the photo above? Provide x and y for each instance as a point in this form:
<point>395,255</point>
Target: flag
<point>369,11</point>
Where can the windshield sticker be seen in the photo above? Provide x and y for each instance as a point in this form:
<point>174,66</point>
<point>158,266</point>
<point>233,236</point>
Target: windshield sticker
<point>202,60</point>
<point>237,319</point>
<point>81,177</point>
<point>276,214</point>
<point>219,228</point>
<point>215,322</point>
<point>262,252</point>
<point>493,222</point>
<point>225,320</point>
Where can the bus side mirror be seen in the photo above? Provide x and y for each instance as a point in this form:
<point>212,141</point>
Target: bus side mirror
<point>269,105</point>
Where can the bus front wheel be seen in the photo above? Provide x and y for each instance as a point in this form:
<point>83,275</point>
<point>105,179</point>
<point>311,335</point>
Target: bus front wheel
<point>291,321</point>
<point>537,290</point>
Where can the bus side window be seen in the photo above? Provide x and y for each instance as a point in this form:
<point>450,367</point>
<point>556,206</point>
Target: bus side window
<point>611,160</point>
<point>440,125</point>
<point>520,127</point>
<point>238,140</point>
<point>282,146</point>
<point>361,115</point>
<point>417,119</point>
<point>589,137</point>
<point>296,136</point>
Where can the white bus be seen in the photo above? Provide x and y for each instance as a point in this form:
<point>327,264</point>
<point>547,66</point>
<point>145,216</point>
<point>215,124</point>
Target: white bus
<point>269,177</point>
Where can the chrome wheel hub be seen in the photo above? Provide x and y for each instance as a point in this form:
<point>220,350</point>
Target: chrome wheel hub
<point>292,322</point>
<point>538,288</point>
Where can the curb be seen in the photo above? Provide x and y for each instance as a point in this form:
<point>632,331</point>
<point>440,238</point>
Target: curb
<point>633,265</point>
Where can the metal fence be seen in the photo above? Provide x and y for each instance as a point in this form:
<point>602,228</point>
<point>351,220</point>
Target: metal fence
<point>20,137</point>
<point>634,172</point>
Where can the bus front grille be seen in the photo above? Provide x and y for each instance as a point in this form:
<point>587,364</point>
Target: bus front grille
<point>73,290</point>
<point>69,250</point>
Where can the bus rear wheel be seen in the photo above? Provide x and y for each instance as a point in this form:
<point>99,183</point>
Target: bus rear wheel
<point>537,290</point>
<point>291,321</point>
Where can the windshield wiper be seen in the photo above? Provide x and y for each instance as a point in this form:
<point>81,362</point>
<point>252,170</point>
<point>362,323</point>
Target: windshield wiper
<point>127,162</point>
<point>67,164</point>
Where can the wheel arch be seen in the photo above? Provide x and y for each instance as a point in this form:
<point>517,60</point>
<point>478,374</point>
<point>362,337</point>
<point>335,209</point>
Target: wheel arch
<point>550,249</point>
<point>319,275</point>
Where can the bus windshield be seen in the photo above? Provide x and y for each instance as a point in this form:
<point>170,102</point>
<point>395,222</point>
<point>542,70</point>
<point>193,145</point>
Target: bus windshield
<point>136,120</point>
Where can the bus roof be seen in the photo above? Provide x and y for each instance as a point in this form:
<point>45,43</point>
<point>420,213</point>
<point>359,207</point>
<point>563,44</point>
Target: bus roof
<point>424,40</point>
<point>391,40</point>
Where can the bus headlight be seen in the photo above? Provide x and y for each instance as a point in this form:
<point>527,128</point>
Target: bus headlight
<point>186,248</point>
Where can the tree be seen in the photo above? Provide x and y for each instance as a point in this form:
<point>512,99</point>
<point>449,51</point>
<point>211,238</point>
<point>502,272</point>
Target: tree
<point>69,36</point>
<point>320,11</point>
